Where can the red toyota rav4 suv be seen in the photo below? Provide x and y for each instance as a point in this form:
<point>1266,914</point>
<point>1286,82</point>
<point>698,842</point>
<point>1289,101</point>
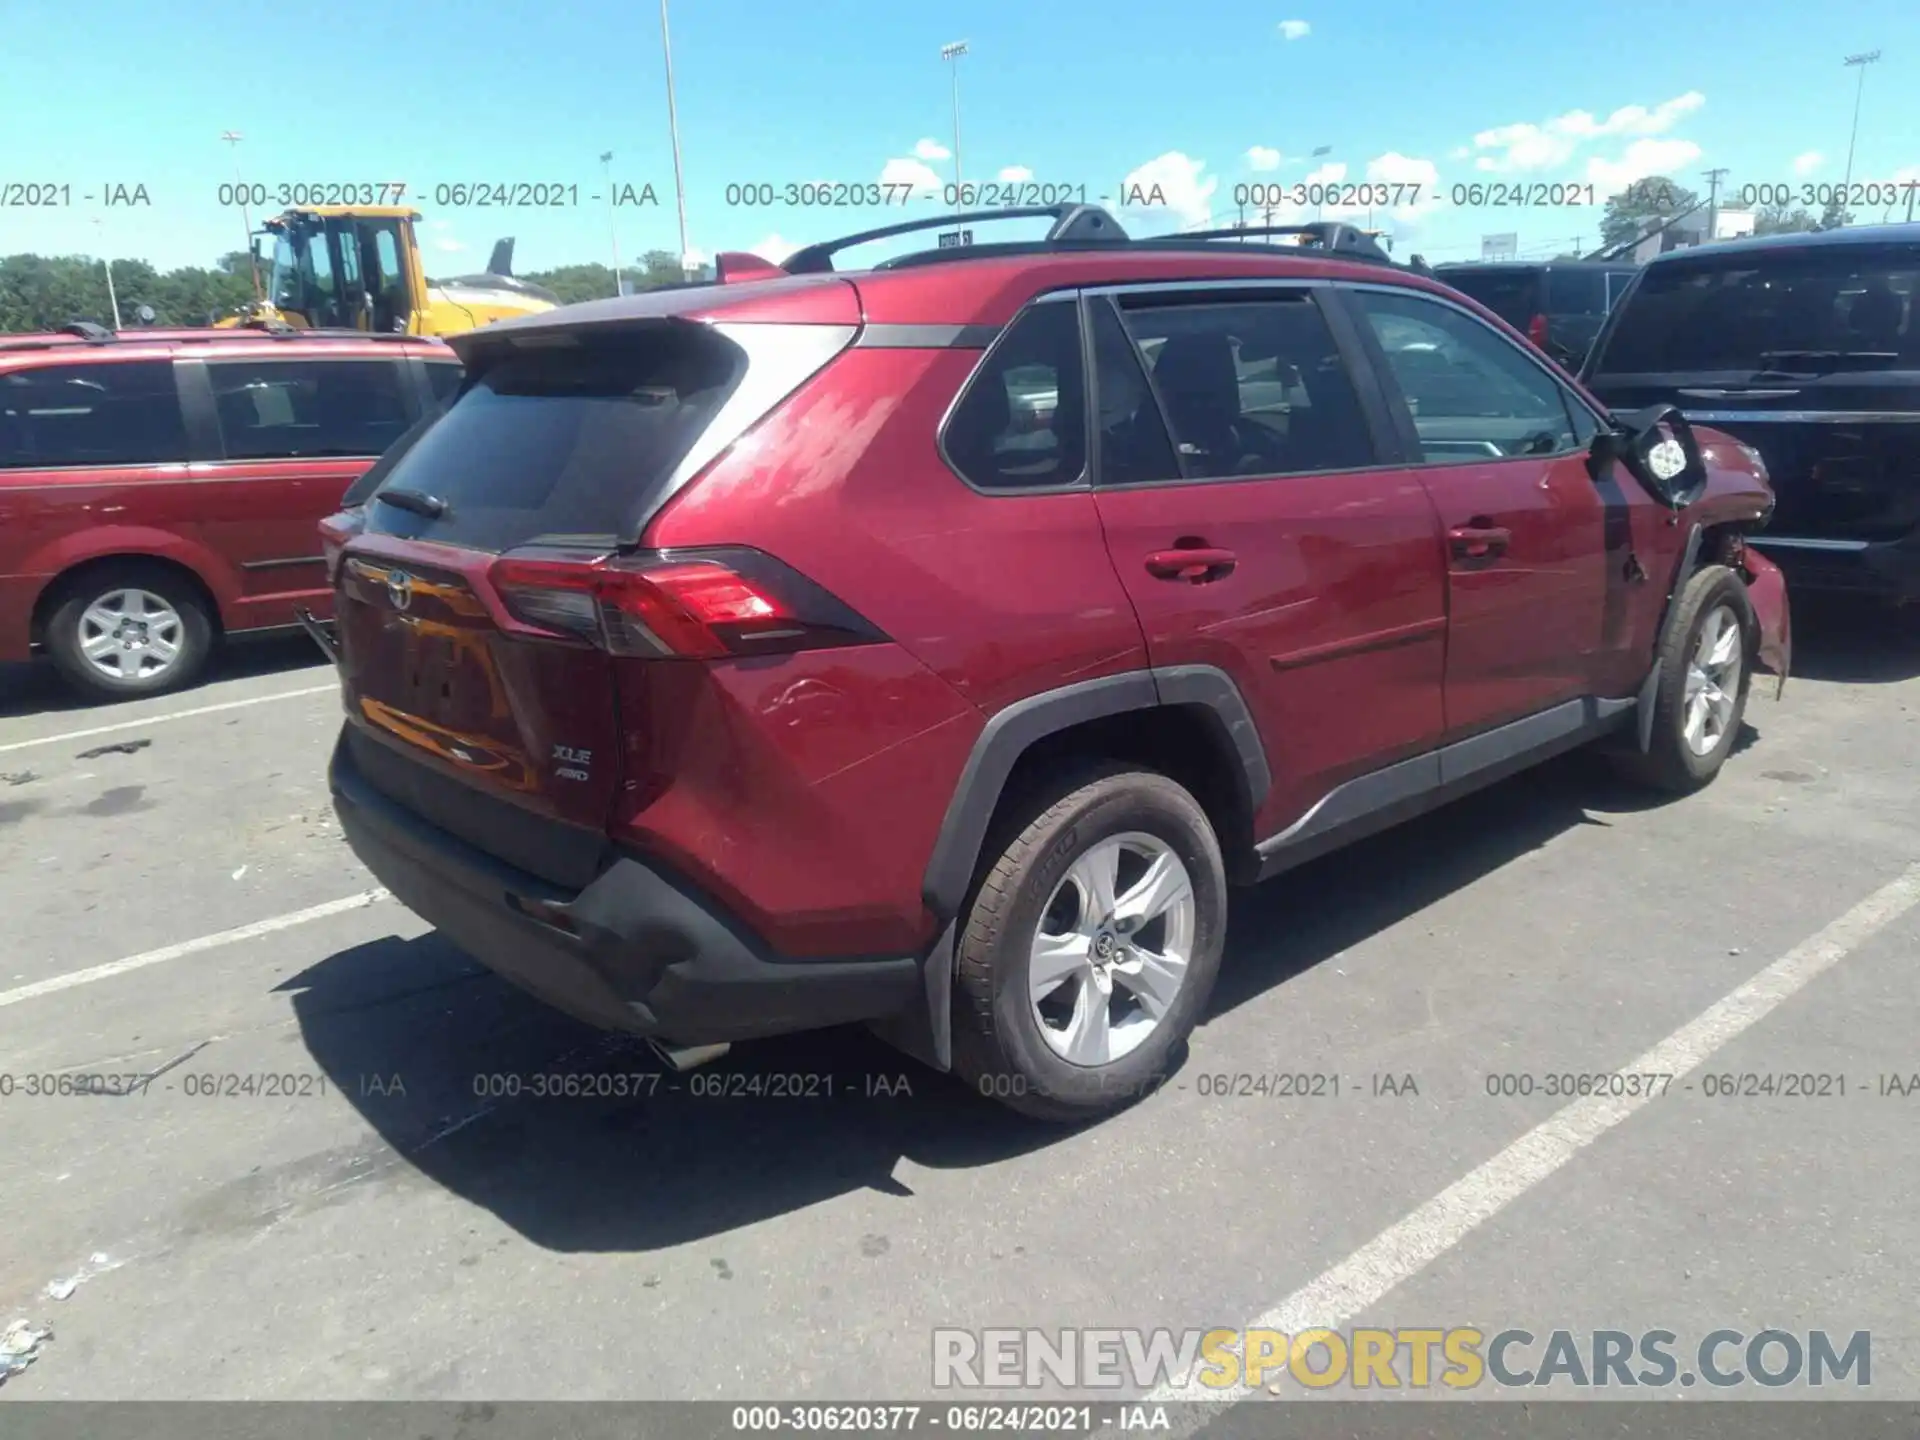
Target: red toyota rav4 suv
<point>160,488</point>
<point>932,645</point>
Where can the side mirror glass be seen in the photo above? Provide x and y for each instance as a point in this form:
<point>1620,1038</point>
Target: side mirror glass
<point>1657,447</point>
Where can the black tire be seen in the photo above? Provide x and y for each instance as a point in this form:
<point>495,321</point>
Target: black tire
<point>67,630</point>
<point>998,1045</point>
<point>1671,764</point>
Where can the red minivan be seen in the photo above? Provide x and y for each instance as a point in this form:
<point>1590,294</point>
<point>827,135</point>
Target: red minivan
<point>160,489</point>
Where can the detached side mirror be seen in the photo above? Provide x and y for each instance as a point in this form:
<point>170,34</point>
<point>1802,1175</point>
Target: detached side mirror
<point>1657,447</point>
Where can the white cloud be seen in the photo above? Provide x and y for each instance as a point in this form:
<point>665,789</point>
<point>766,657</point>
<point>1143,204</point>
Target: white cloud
<point>1641,159</point>
<point>1460,152</point>
<point>1175,183</point>
<point>1529,146</point>
<point>1331,173</point>
<point>448,244</point>
<point>932,150</point>
<point>1262,157</point>
<point>1420,177</point>
<point>1808,163</point>
<point>775,249</point>
<point>902,171</point>
<point>1015,174</point>
<point>1295,29</point>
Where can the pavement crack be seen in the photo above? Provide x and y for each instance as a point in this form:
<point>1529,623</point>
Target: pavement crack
<point>180,1059</point>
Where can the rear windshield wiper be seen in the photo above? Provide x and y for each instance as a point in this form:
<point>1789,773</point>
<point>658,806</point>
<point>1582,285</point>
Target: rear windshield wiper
<point>420,503</point>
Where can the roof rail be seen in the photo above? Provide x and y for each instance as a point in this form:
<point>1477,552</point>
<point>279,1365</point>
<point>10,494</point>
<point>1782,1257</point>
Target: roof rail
<point>1080,228</point>
<point>88,331</point>
<point>1072,223</point>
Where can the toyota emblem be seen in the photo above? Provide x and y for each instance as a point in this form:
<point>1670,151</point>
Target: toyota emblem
<point>400,589</point>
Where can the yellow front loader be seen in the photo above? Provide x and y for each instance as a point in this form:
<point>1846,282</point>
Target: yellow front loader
<point>358,267</point>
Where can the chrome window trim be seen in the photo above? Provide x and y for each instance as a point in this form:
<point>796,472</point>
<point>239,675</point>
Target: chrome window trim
<point>1808,417</point>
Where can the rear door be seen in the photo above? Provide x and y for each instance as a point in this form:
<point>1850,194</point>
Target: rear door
<point>292,434</point>
<point>1504,446</point>
<point>1261,525</point>
<point>1811,354</point>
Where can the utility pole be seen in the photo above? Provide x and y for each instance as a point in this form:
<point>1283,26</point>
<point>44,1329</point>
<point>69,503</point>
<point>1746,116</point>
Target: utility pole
<point>1860,63</point>
<point>673,128</point>
<point>1714,177</point>
<point>613,224</point>
<point>233,138</point>
<point>951,54</point>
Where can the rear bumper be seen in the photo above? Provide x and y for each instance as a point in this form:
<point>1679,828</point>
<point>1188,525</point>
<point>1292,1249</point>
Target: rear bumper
<point>636,950</point>
<point>1889,569</point>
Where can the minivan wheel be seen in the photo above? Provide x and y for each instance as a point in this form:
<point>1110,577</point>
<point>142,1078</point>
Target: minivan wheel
<point>1091,946</point>
<point>129,629</point>
<point>1704,679</point>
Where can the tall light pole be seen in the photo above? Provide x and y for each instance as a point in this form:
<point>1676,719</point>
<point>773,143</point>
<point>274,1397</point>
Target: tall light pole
<point>673,127</point>
<point>1319,152</point>
<point>112,299</point>
<point>613,226</point>
<point>1860,63</point>
<point>951,54</point>
<point>233,138</point>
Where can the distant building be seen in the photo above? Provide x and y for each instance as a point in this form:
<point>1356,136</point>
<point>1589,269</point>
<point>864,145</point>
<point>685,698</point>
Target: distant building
<point>1733,224</point>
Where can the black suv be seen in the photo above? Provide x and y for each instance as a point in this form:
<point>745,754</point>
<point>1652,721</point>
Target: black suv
<point>1558,304</point>
<point>1806,347</point>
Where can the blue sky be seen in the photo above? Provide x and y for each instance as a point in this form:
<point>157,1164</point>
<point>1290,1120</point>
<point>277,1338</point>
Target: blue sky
<point>1195,98</point>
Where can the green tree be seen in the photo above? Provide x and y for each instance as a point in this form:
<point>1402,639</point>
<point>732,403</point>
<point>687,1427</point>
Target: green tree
<point>1655,198</point>
<point>1779,220</point>
<point>1835,215</point>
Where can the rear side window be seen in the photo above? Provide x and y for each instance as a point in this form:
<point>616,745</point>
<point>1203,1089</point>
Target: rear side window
<point>1253,387</point>
<point>1021,422</point>
<point>307,409</point>
<point>568,443</point>
<point>1513,295</point>
<point>444,380</point>
<point>79,415</point>
<point>1814,310</point>
<point>1576,292</point>
<point>1617,283</point>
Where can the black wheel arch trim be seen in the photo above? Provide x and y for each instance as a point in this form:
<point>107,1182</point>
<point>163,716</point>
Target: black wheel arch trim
<point>1650,687</point>
<point>1014,729</point>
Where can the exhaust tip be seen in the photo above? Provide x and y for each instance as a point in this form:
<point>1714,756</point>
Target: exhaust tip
<point>687,1057</point>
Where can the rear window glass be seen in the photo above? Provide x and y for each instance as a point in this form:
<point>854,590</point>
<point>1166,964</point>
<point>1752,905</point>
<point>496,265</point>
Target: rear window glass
<point>78,415</point>
<point>1513,295</point>
<point>563,444</point>
<point>1820,309</point>
<point>1576,292</point>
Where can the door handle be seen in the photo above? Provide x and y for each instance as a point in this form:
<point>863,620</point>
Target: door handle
<point>1196,566</point>
<point>1479,542</point>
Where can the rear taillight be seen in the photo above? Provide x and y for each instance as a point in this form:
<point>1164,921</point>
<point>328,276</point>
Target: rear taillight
<point>1537,330</point>
<point>687,604</point>
<point>335,532</point>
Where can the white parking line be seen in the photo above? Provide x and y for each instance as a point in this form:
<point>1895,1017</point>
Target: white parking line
<point>163,719</point>
<point>189,947</point>
<point>1407,1247</point>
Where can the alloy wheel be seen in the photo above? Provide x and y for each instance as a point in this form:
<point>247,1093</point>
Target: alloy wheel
<point>1112,949</point>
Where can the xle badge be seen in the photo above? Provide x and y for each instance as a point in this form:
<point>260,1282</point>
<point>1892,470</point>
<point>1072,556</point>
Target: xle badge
<point>573,764</point>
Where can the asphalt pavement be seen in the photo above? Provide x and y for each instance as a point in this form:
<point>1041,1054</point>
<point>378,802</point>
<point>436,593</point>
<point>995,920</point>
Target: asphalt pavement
<point>378,1218</point>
